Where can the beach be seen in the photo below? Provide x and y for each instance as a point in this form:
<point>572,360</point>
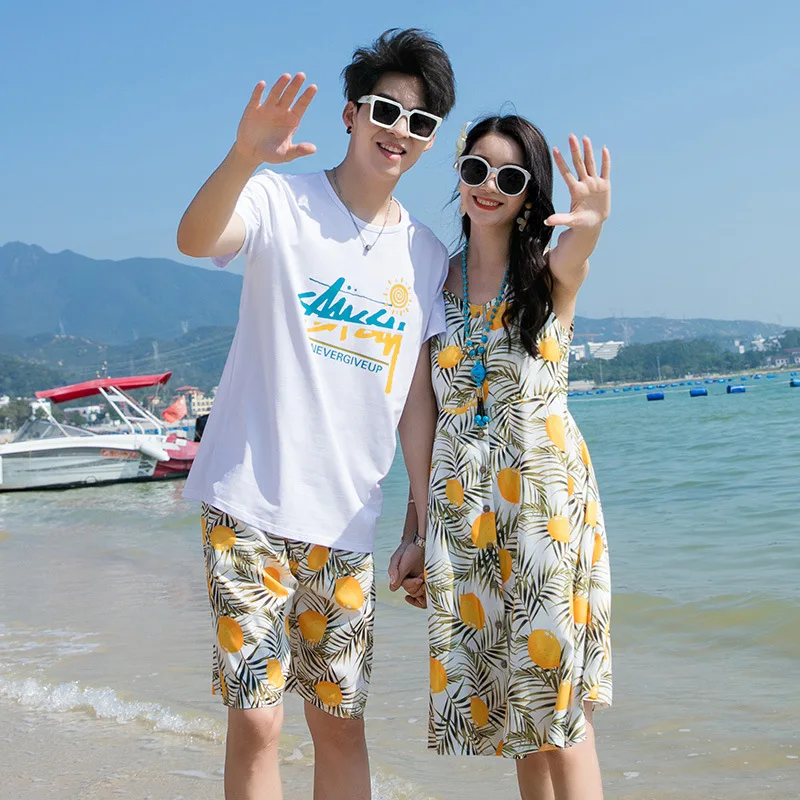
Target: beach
<point>105,631</point>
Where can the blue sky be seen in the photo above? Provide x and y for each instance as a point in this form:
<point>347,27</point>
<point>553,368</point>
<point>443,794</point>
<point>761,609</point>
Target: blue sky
<point>113,114</point>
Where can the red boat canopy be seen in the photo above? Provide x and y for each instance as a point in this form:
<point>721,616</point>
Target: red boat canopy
<point>90,388</point>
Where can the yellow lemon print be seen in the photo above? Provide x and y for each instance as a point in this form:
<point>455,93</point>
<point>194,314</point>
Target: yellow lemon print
<point>554,425</point>
<point>476,311</point>
<point>272,583</point>
<point>293,567</point>
<point>564,695</point>
<point>558,528</point>
<point>549,349</point>
<point>438,676</point>
<point>508,482</point>
<point>458,410</point>
<point>544,649</point>
<point>499,750</point>
<point>497,323</point>
<point>318,557</point>
<point>484,530</point>
<point>230,635</point>
<point>329,693</point>
<point>349,594</point>
<point>471,611</point>
<point>580,609</point>
<point>570,485</point>
<point>223,687</point>
<point>275,673</point>
<point>454,492</point>
<point>312,626</point>
<point>591,513</point>
<point>587,459</point>
<point>223,538</point>
<point>479,712</point>
<point>287,627</point>
<point>449,356</point>
<point>594,692</point>
<point>505,564</point>
<point>546,747</point>
<point>597,553</point>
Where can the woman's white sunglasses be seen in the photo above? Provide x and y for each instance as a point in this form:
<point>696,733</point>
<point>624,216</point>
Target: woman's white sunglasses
<point>510,179</point>
<point>386,113</point>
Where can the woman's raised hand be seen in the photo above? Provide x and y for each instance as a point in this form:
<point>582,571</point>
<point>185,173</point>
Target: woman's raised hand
<point>590,193</point>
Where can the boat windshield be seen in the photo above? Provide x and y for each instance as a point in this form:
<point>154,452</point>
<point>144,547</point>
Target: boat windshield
<point>35,429</point>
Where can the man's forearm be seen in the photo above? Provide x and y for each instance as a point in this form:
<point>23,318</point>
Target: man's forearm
<point>208,215</point>
<point>417,430</point>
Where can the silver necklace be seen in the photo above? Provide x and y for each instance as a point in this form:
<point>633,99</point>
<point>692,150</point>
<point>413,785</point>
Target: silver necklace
<point>367,247</point>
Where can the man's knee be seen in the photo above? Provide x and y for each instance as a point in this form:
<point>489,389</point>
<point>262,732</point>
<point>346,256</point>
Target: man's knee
<point>334,733</point>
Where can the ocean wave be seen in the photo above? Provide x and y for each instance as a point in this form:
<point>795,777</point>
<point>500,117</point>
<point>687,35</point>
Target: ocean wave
<point>391,788</point>
<point>105,703</point>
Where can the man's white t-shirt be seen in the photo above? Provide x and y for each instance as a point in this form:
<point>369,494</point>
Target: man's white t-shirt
<point>302,431</point>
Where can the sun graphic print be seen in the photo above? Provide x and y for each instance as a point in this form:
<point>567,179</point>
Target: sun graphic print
<point>398,297</point>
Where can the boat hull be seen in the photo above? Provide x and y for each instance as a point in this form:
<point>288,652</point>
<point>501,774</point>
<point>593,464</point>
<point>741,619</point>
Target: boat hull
<point>71,463</point>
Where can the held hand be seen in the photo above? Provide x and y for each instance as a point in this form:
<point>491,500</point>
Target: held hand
<point>266,129</point>
<point>590,193</point>
<point>418,601</point>
<point>405,569</point>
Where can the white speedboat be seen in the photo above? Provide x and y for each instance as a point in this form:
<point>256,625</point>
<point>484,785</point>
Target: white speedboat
<point>46,454</point>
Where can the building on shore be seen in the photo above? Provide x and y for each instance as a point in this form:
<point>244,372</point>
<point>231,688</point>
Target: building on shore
<point>603,350</point>
<point>198,402</point>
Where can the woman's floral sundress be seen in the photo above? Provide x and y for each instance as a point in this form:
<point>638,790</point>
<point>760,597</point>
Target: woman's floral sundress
<point>516,559</point>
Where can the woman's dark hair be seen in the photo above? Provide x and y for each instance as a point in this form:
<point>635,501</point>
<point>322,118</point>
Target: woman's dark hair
<point>530,297</point>
<point>411,52</point>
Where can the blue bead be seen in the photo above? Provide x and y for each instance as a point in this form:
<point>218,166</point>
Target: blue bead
<point>472,353</point>
<point>484,338</point>
<point>481,350</point>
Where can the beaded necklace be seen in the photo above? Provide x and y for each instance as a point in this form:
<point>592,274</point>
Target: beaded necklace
<point>476,348</point>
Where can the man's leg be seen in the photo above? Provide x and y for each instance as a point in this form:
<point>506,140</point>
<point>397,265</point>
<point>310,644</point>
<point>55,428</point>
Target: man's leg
<point>341,763</point>
<point>331,623</point>
<point>250,585</point>
<point>251,754</point>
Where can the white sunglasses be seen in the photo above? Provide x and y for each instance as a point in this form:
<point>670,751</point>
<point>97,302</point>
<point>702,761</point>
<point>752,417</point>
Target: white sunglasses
<point>510,179</point>
<point>386,113</point>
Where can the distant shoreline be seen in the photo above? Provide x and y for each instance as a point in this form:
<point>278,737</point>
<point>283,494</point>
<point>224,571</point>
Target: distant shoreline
<point>668,382</point>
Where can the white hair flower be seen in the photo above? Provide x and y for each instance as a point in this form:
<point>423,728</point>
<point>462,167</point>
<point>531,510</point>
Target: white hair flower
<point>462,139</point>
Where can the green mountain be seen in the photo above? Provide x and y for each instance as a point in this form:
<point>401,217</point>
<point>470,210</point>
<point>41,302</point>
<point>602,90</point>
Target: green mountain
<point>19,378</point>
<point>195,359</point>
<point>645,330</point>
<point>119,302</point>
<point>109,301</point>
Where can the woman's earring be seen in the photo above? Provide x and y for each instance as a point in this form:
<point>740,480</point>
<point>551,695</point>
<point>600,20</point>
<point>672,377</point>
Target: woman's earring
<point>349,128</point>
<point>522,221</point>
